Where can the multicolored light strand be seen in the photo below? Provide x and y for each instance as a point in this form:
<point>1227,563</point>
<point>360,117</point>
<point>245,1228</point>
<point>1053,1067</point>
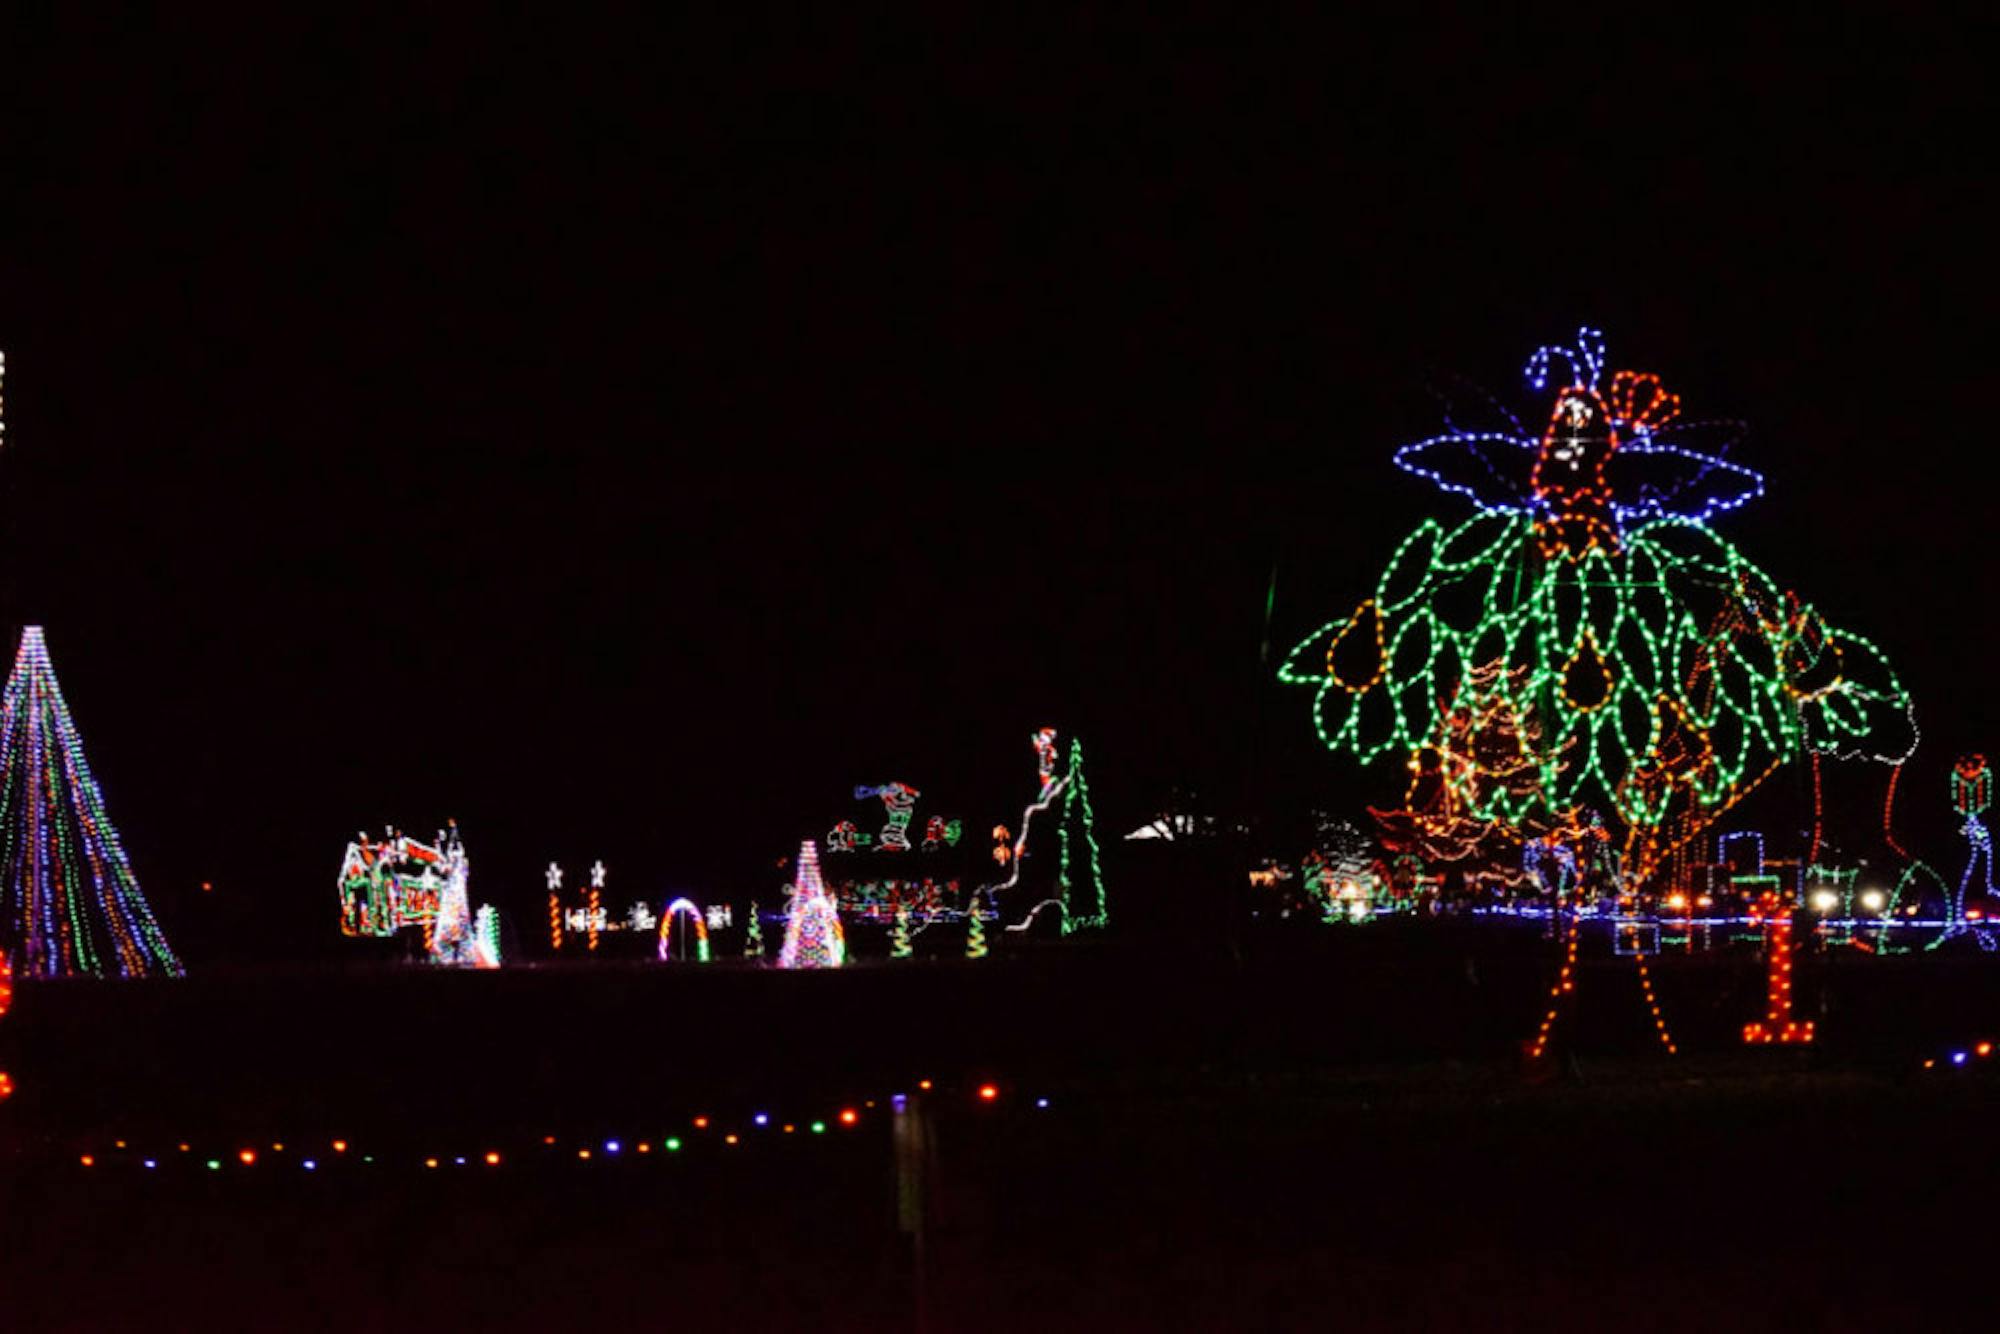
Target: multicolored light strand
<point>677,1138</point>
<point>69,903</point>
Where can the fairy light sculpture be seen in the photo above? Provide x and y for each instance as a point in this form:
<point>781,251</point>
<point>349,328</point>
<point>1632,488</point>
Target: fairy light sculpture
<point>1665,674</point>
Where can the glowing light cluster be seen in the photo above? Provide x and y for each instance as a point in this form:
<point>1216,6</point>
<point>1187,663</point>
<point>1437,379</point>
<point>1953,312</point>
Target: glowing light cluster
<point>813,938</point>
<point>69,903</point>
<point>1632,660</point>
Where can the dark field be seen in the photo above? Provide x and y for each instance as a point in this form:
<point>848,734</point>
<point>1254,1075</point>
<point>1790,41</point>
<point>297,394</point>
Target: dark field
<point>1334,1133</point>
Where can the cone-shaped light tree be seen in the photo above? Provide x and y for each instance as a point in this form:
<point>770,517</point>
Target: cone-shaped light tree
<point>813,937</point>
<point>899,941</point>
<point>69,903</point>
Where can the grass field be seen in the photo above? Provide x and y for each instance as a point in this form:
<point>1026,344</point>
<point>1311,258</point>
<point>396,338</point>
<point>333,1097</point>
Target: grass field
<point>1334,1133</point>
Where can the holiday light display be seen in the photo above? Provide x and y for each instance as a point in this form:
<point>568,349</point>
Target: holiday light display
<point>975,936</point>
<point>1971,794</point>
<point>400,882</point>
<point>1079,878</point>
<point>554,877</point>
<point>684,912</point>
<point>880,895</point>
<point>486,936</point>
<point>594,905</point>
<point>753,938</point>
<point>899,940</point>
<point>813,938</point>
<point>1778,1025</point>
<point>69,903</point>
<point>899,802</point>
<point>1622,656</point>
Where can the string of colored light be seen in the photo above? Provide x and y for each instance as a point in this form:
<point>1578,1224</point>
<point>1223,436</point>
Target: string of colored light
<point>66,886</point>
<point>1962,1055</point>
<point>1565,984</point>
<point>682,1136</point>
<point>1653,1005</point>
<point>1889,812</point>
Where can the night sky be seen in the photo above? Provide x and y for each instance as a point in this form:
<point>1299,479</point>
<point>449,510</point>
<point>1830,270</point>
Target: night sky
<point>628,440</point>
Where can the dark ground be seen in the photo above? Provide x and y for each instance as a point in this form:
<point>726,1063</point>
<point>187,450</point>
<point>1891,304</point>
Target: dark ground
<point>1336,1134</point>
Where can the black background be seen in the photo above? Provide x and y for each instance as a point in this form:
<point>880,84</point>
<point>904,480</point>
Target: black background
<point>627,437</point>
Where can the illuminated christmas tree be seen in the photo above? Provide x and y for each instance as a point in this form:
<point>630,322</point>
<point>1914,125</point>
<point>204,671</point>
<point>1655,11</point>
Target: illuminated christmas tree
<point>69,903</point>
<point>813,937</point>
<point>1586,619</point>
<point>486,937</point>
<point>1079,875</point>
<point>975,935</point>
<point>753,941</point>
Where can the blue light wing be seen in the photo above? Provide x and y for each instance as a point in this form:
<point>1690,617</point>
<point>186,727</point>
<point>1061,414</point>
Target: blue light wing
<point>1678,473</point>
<point>1489,468</point>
